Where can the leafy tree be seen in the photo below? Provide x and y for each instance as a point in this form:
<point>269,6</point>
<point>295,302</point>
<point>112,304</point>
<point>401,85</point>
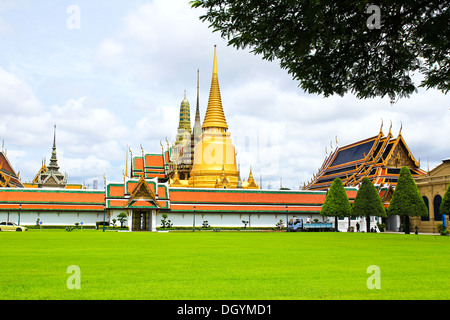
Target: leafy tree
<point>122,217</point>
<point>336,202</point>
<point>335,47</point>
<point>406,201</point>
<point>368,202</point>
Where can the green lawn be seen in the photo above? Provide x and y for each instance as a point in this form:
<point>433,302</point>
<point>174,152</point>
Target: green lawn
<point>222,265</point>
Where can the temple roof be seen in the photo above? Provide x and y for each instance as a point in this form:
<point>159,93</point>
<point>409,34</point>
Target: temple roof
<point>379,158</point>
<point>137,193</point>
<point>154,165</point>
<point>8,177</point>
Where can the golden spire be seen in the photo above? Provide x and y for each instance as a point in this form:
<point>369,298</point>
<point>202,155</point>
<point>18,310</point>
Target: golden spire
<point>215,117</point>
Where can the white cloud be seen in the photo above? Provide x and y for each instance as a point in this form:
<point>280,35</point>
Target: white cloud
<point>109,53</point>
<point>16,96</point>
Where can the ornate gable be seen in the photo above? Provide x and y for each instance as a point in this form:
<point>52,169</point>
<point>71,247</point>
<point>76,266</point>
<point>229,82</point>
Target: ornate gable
<point>142,191</point>
<point>41,171</point>
<point>400,155</point>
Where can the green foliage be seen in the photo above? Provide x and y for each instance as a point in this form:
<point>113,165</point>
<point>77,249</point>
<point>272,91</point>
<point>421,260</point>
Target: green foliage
<point>406,200</point>
<point>328,47</point>
<point>381,226</point>
<point>443,231</point>
<point>368,201</point>
<point>445,204</point>
<point>122,217</point>
<point>336,203</point>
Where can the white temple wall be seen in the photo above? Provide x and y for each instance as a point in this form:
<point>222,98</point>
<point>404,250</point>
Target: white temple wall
<point>51,218</point>
<point>231,219</point>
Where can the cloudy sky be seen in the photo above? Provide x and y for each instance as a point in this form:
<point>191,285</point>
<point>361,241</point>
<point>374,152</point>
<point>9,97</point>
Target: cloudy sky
<point>113,73</point>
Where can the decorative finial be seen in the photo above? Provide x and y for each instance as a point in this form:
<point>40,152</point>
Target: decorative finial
<point>381,128</point>
<point>401,126</point>
<point>54,136</point>
<point>143,160</point>
<point>390,127</point>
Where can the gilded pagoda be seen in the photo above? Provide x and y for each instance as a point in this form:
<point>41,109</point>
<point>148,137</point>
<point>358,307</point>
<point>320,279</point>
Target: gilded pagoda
<point>202,157</point>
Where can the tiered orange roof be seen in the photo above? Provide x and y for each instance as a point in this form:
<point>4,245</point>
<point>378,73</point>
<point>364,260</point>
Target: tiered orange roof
<point>154,165</point>
<point>137,193</point>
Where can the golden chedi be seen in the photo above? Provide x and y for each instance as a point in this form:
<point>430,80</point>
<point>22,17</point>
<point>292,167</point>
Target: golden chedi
<point>214,156</point>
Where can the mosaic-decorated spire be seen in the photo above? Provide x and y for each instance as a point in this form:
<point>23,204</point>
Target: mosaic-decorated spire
<point>185,115</point>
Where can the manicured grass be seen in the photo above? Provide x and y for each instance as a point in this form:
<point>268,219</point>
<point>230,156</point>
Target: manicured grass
<point>222,265</point>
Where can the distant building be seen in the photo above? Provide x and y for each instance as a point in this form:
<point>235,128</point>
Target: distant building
<point>49,176</point>
<point>432,187</point>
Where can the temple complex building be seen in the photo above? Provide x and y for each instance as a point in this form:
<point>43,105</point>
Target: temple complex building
<point>378,158</point>
<point>196,180</point>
